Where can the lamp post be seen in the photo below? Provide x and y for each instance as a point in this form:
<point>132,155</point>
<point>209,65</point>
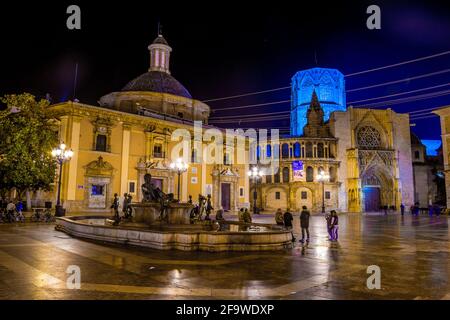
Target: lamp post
<point>61,155</point>
<point>322,177</point>
<point>255,174</point>
<point>179,166</point>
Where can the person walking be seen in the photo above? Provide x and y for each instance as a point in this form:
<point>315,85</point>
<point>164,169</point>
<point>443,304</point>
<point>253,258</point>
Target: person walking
<point>287,217</point>
<point>279,217</point>
<point>334,225</point>
<point>304,223</point>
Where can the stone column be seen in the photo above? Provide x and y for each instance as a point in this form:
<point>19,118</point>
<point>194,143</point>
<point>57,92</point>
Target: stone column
<point>74,144</point>
<point>126,134</point>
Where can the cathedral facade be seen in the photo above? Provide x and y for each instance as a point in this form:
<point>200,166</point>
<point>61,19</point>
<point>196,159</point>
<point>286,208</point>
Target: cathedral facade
<point>365,154</point>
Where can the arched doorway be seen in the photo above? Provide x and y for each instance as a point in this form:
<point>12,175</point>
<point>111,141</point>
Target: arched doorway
<point>376,190</point>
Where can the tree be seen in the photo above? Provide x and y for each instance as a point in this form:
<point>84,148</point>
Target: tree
<point>27,135</point>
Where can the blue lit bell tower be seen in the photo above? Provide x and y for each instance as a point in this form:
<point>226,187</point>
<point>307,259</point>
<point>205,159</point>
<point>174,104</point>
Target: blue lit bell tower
<point>329,85</point>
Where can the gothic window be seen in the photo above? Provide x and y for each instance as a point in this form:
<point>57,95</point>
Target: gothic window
<point>285,151</point>
<point>369,138</point>
<point>297,150</point>
<point>309,174</point>
<point>100,143</point>
<point>320,150</point>
<point>309,150</point>
<point>285,174</point>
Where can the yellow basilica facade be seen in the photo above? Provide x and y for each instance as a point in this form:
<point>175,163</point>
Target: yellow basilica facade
<point>130,134</point>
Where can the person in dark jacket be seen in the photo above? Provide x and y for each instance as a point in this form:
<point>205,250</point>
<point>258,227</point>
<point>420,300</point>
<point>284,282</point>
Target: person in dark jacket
<point>402,209</point>
<point>304,223</point>
<point>287,217</point>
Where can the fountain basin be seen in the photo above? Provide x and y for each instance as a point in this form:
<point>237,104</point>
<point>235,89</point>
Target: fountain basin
<point>256,237</point>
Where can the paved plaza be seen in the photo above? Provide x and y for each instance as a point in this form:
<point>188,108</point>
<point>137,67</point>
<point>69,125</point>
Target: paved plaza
<point>412,252</point>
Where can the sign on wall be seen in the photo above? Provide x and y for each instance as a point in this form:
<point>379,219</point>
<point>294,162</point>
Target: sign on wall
<point>298,172</point>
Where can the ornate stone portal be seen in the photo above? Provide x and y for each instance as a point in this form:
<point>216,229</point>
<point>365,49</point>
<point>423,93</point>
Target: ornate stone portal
<point>98,181</point>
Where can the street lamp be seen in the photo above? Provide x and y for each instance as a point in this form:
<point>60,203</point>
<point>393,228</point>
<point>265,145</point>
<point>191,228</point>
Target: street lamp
<point>61,155</point>
<point>255,174</point>
<point>179,167</point>
<point>322,177</point>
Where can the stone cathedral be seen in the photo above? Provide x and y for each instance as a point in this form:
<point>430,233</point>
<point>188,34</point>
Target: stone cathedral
<point>365,152</point>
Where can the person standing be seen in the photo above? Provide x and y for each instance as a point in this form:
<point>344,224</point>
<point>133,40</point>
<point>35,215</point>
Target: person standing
<point>304,223</point>
<point>287,217</point>
<point>279,217</point>
<point>334,225</point>
<point>402,209</point>
<point>10,211</point>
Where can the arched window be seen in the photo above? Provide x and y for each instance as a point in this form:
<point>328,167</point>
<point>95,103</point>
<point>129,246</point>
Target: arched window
<point>268,151</point>
<point>332,174</point>
<point>297,150</point>
<point>309,174</point>
<point>285,174</point>
<point>309,150</point>
<point>369,138</point>
<point>285,151</point>
<point>277,176</point>
<point>320,151</point>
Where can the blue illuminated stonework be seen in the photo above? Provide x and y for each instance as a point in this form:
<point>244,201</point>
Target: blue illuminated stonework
<point>329,85</point>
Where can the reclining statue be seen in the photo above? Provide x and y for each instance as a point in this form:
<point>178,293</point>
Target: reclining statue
<point>153,194</point>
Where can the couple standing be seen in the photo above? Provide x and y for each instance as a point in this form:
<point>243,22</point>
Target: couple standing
<point>332,225</point>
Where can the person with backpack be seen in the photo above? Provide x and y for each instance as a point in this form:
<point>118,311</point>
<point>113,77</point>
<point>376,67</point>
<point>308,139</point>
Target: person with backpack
<point>304,223</point>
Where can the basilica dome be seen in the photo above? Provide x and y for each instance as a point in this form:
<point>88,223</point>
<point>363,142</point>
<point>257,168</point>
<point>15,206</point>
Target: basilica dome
<point>157,81</point>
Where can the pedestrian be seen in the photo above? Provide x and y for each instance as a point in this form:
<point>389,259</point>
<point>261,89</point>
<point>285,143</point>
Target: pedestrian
<point>115,207</point>
<point>385,208</point>
<point>287,217</point>
<point>328,219</point>
<point>334,225</point>
<point>10,211</point>
<point>19,209</point>
<point>241,215</point>
<point>279,217</point>
<point>190,199</point>
<point>304,223</point>
<point>402,209</point>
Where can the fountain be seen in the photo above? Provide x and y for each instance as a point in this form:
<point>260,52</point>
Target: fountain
<point>160,222</point>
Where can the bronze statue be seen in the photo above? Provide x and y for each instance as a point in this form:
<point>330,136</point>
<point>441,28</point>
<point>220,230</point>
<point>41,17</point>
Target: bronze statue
<point>149,192</point>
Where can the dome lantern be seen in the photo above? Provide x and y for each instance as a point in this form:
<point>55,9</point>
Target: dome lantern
<point>159,54</point>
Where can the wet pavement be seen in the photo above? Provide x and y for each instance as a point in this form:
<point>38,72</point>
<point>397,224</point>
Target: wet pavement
<point>413,254</point>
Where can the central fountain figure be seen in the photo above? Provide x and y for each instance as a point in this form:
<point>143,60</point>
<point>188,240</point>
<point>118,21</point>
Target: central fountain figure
<point>153,194</point>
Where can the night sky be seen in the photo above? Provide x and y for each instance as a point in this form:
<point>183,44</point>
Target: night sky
<point>227,48</point>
